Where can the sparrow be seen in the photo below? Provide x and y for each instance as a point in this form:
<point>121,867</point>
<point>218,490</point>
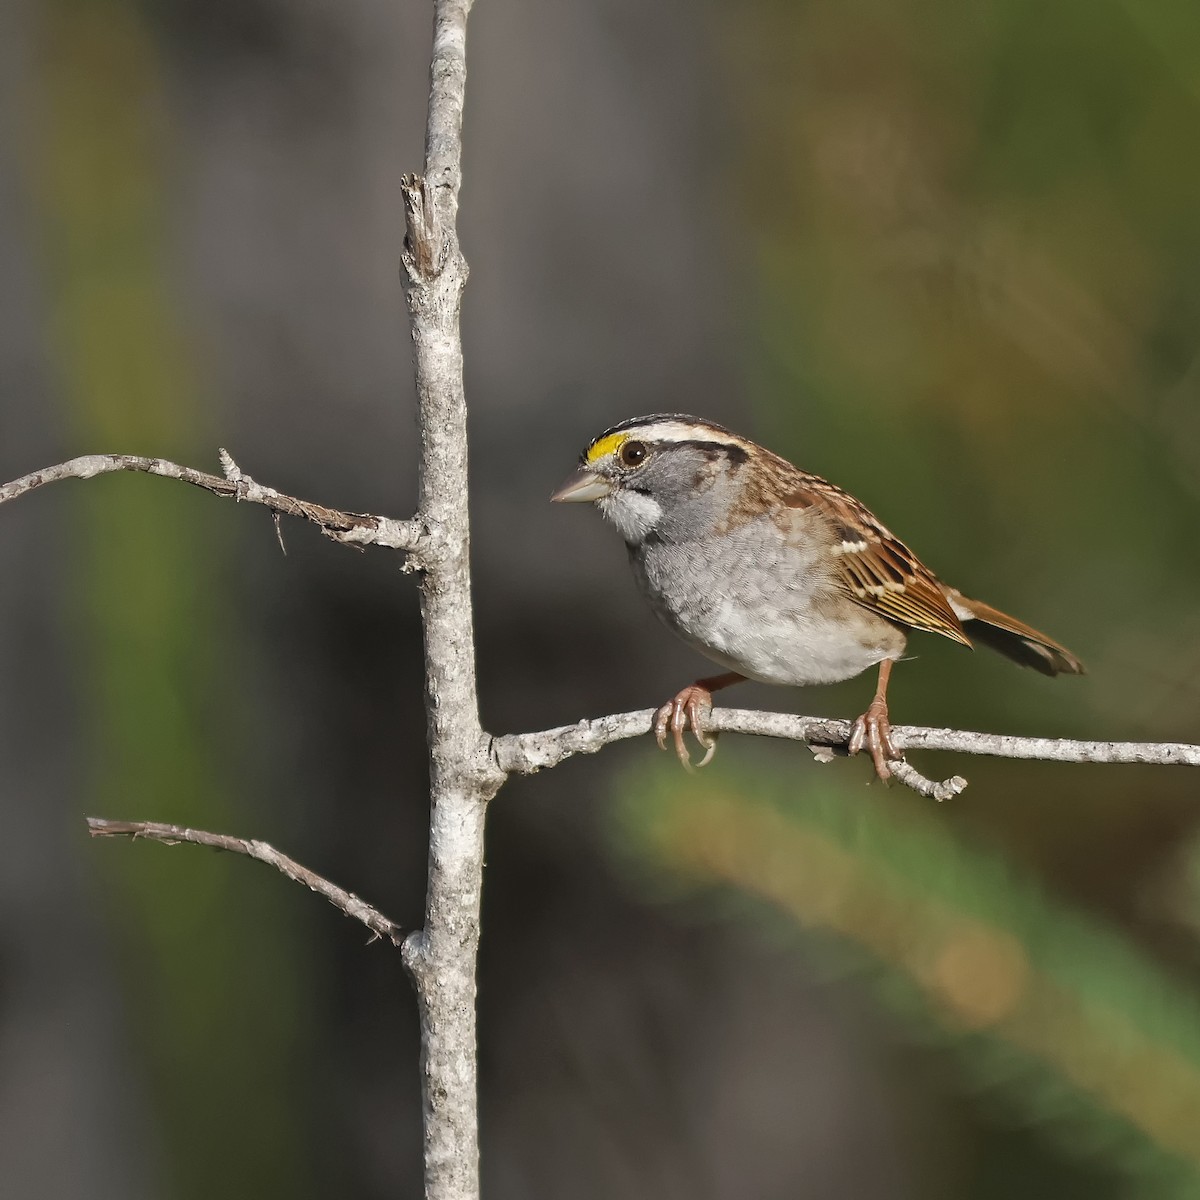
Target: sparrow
<point>774,574</point>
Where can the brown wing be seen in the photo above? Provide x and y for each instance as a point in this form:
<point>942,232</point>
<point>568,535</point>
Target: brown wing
<point>875,568</point>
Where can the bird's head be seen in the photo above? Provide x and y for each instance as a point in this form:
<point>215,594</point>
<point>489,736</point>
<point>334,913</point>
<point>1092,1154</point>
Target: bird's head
<point>658,475</point>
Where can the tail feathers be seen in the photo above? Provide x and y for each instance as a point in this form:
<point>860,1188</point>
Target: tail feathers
<point>1012,638</point>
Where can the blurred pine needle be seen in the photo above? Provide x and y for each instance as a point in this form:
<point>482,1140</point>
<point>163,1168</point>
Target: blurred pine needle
<point>1056,1017</point>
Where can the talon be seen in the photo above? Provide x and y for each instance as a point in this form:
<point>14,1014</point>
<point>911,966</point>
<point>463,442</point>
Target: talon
<point>880,754</point>
<point>696,708</point>
<point>687,711</point>
<point>885,740</point>
<point>873,731</point>
<point>697,705</point>
<point>678,725</point>
<point>660,725</point>
<point>858,736</point>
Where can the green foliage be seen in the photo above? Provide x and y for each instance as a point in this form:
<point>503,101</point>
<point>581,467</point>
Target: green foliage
<point>1054,1022</point>
<point>213,983</point>
<point>977,294</point>
<point>978,286</point>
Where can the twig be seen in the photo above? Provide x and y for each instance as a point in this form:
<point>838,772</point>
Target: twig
<point>170,835</point>
<point>526,753</point>
<point>933,789</point>
<point>353,528</point>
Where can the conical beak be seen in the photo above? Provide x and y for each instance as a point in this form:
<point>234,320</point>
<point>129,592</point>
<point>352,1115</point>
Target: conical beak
<point>583,485</point>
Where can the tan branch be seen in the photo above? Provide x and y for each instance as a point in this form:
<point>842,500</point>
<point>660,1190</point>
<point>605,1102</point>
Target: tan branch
<point>526,753</point>
<point>171,835</point>
<point>354,528</point>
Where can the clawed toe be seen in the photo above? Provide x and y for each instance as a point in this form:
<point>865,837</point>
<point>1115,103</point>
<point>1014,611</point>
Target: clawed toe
<point>686,711</point>
<point>858,735</point>
<point>873,731</point>
<point>661,720</point>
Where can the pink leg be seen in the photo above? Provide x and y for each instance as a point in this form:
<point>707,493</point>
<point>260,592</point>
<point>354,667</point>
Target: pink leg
<point>873,730</point>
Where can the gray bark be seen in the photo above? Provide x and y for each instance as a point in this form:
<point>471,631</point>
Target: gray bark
<point>442,956</point>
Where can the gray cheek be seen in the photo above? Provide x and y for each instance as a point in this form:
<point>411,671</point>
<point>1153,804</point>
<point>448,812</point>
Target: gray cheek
<point>633,514</point>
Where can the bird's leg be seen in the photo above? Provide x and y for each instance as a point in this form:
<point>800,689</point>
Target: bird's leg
<point>873,729</point>
<point>688,708</point>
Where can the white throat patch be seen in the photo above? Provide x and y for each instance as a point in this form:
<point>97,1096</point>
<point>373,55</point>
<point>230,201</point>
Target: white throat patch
<point>633,513</point>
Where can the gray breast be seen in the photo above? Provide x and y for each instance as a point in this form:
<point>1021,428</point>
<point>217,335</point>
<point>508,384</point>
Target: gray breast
<point>762,606</point>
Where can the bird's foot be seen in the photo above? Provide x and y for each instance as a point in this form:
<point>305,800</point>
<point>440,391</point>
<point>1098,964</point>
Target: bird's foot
<point>873,731</point>
<point>687,710</point>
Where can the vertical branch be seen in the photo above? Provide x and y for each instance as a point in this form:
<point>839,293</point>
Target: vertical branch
<point>441,957</point>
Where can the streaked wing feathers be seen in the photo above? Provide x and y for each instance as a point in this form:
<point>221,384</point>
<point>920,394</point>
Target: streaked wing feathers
<point>876,569</point>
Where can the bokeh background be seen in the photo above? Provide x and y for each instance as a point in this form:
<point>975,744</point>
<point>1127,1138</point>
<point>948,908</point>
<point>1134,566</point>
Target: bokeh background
<point>946,254</point>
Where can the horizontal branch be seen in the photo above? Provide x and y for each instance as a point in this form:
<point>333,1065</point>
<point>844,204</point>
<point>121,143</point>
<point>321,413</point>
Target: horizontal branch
<point>171,835</point>
<point>526,753</point>
<point>360,529</point>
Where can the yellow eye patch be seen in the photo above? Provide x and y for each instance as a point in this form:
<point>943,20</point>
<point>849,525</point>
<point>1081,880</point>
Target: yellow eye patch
<point>606,446</point>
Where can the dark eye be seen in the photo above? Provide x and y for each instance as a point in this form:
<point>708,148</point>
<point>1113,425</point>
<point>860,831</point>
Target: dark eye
<point>632,453</point>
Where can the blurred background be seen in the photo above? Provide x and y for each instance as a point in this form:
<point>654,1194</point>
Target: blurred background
<point>945,254</point>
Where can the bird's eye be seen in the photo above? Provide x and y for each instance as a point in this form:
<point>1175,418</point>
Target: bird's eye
<point>632,453</point>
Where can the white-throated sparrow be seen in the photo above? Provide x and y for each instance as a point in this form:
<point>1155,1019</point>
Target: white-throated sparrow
<point>775,574</point>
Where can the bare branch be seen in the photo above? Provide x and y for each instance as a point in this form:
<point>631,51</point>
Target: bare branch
<point>1004,745</point>
<point>932,789</point>
<point>441,957</point>
<point>171,835</point>
<point>353,528</point>
<point>526,753</point>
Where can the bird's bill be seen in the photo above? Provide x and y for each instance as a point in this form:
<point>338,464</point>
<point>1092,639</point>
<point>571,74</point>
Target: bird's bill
<point>583,485</point>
